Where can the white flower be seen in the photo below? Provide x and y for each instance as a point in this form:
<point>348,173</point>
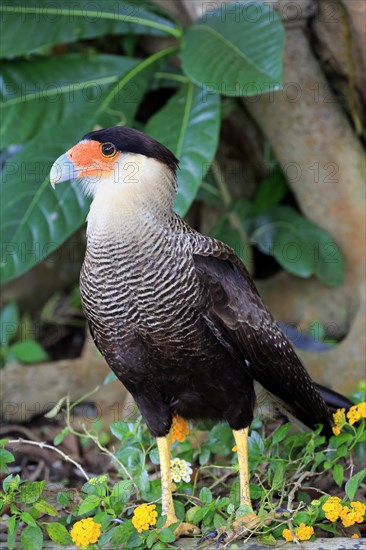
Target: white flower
<point>180,470</point>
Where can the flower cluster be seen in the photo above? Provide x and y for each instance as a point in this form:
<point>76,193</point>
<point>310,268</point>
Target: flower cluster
<point>349,515</point>
<point>179,429</point>
<point>356,413</point>
<point>303,532</point>
<point>332,508</point>
<point>98,480</point>
<point>180,470</point>
<point>85,532</point>
<point>355,514</point>
<point>339,419</point>
<point>144,517</point>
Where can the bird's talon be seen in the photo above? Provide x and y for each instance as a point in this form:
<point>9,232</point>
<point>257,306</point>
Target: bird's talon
<point>186,530</point>
<point>221,539</point>
<point>207,536</point>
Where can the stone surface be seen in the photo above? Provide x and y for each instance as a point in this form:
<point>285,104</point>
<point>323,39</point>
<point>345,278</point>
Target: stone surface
<point>189,544</point>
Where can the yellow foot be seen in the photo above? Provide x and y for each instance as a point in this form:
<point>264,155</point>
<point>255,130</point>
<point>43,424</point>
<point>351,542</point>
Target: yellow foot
<point>240,528</point>
<point>184,529</point>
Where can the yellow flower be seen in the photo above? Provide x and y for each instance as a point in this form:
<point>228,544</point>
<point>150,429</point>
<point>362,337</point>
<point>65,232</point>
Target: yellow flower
<point>144,516</point>
<point>234,449</point>
<point>355,536</point>
<point>355,514</point>
<point>356,412</point>
<point>332,508</point>
<point>287,535</point>
<point>179,429</point>
<point>339,419</point>
<point>304,532</point>
<point>359,509</point>
<point>85,532</point>
<point>347,517</point>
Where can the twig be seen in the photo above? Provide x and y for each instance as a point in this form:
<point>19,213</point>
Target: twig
<point>43,445</point>
<point>297,485</point>
<point>110,454</point>
<point>220,480</point>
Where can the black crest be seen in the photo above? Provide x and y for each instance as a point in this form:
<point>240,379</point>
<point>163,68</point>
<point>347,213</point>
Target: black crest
<point>129,140</point>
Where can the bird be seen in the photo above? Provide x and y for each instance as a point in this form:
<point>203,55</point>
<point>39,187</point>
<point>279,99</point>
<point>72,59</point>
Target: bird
<point>175,313</point>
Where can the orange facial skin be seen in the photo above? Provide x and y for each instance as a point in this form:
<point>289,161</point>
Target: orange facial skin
<point>89,160</point>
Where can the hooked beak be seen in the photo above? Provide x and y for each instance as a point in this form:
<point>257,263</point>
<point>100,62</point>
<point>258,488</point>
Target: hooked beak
<point>63,169</point>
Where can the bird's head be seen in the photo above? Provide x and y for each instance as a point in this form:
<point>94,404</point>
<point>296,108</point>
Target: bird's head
<point>119,164</point>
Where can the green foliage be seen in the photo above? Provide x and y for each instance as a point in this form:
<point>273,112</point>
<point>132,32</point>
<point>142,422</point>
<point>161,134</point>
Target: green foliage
<point>298,245</point>
<point>61,94</point>
<point>280,463</point>
<point>23,350</point>
<point>233,60</point>
<point>58,98</point>
<point>189,126</point>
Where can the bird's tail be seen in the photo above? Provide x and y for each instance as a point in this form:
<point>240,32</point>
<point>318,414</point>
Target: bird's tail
<point>333,399</point>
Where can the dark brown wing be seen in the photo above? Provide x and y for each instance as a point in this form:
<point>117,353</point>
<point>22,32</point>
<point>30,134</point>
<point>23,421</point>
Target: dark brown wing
<point>242,323</point>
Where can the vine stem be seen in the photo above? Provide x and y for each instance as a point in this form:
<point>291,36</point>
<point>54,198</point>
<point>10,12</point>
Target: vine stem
<point>43,445</point>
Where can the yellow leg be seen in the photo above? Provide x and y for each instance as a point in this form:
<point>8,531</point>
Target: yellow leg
<point>249,520</point>
<point>241,440</point>
<point>184,529</point>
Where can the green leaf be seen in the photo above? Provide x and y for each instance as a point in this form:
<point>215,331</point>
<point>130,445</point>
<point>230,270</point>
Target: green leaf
<point>31,492</point>
<point>5,457</point>
<point>205,495</point>
<point>338,474</point>
<point>256,491</point>
<point>220,440</point>
<point>44,91</point>
<point>218,521</point>
<point>279,476</point>
<point>189,126</point>
<point>166,535</point>
<point>12,531</point>
<point>28,351</point>
<point>45,508</point>
<point>300,246</point>
<point>328,528</point>
<point>280,433</point>
<point>122,490</point>
<point>255,444</point>
<point>235,49</point>
<point>9,320</point>
<point>89,503</point>
<point>61,436</point>
<point>42,23</point>
<point>151,538</point>
<point>270,192</point>
<point>28,519</point>
<point>111,377</point>
<point>58,533</point>
<point>36,219</point>
<point>354,483</point>
<point>32,538</point>
<point>119,429</point>
<point>122,534</point>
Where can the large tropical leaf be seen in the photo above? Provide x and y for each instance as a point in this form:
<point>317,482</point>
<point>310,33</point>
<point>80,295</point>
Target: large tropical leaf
<point>300,246</point>
<point>189,126</point>
<point>34,219</point>
<point>43,92</point>
<point>27,25</point>
<point>235,49</point>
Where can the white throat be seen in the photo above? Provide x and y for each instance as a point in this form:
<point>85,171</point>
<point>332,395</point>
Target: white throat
<point>139,187</point>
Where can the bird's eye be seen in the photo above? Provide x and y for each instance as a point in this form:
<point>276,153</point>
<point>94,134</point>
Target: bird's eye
<point>108,149</point>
